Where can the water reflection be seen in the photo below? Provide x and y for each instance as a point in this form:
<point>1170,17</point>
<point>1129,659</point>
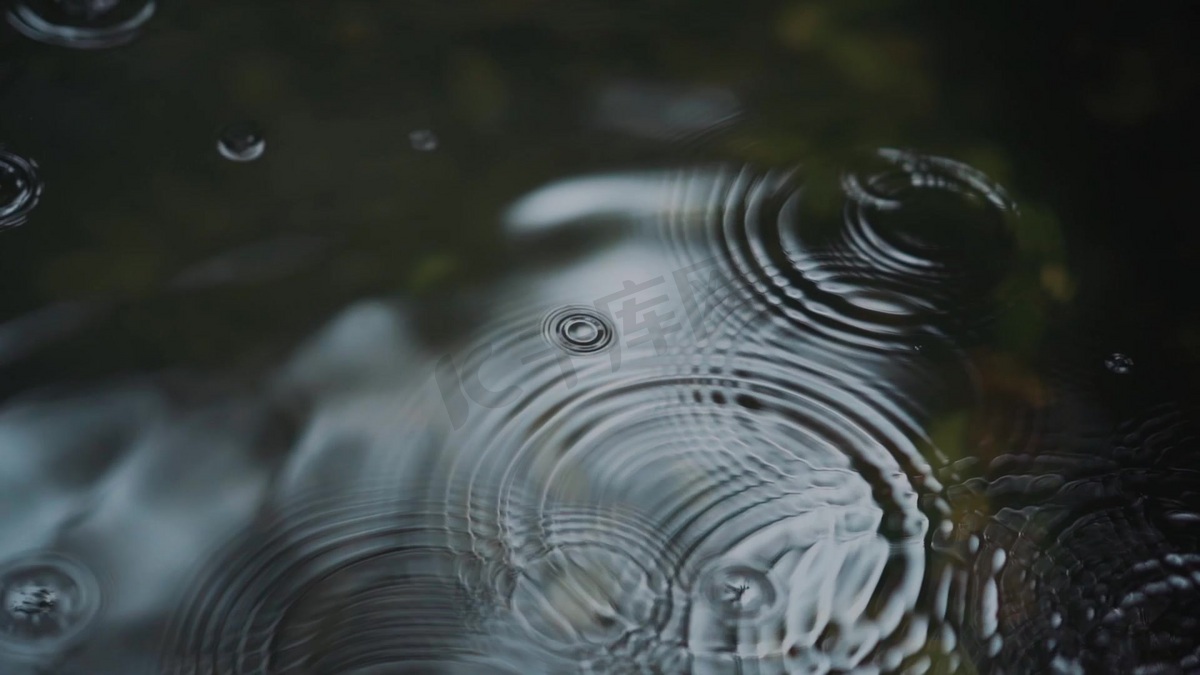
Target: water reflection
<point>663,112</point>
<point>347,583</point>
<point>241,142</point>
<point>423,140</point>
<point>759,428</point>
<point>777,488</point>
<point>256,263</point>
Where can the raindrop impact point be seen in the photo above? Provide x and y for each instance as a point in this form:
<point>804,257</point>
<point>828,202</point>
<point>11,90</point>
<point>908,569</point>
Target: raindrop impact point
<point>578,330</point>
<point>48,601</point>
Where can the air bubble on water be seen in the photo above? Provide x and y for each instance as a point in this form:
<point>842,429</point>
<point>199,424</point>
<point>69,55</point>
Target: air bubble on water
<point>47,600</point>
<point>1119,364</point>
<point>20,188</point>
<point>241,142</point>
<point>578,330</point>
<point>423,140</point>
<point>81,24</point>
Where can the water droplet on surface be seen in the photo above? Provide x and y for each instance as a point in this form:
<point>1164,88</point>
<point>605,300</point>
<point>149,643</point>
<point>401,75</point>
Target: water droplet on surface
<point>47,600</point>
<point>423,140</point>
<point>578,330</point>
<point>241,142</point>
<point>81,24</point>
<point>1119,364</point>
<point>20,189</point>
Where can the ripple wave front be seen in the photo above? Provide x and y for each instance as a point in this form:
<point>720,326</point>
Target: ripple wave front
<point>780,518</point>
<point>341,584</point>
<point>920,246</point>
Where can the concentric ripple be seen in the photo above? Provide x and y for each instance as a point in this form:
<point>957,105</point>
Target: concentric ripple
<point>1091,591</point>
<point>81,24</point>
<point>20,188</point>
<point>740,592</point>
<point>342,584</point>
<point>585,585</point>
<point>753,493</point>
<point>1081,552</point>
<point>922,244</point>
<point>779,503</point>
<point>578,330</point>
<point>48,603</point>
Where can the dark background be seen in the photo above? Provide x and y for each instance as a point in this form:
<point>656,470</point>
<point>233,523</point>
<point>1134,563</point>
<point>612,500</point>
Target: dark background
<point>1085,112</point>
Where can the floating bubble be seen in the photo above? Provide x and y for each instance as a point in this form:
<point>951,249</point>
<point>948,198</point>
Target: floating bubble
<point>81,24</point>
<point>241,142</point>
<point>20,188</point>
<point>48,601</point>
<point>423,140</point>
<point>1119,364</point>
<point>578,330</point>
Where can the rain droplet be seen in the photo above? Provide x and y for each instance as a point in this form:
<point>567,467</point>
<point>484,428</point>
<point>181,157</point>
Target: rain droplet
<point>739,592</point>
<point>241,142</point>
<point>1119,364</point>
<point>47,599</point>
<point>578,330</point>
<point>20,189</point>
<point>423,140</point>
<point>81,24</point>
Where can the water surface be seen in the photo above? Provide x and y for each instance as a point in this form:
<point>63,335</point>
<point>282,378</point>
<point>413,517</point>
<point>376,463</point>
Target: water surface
<point>596,337</point>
